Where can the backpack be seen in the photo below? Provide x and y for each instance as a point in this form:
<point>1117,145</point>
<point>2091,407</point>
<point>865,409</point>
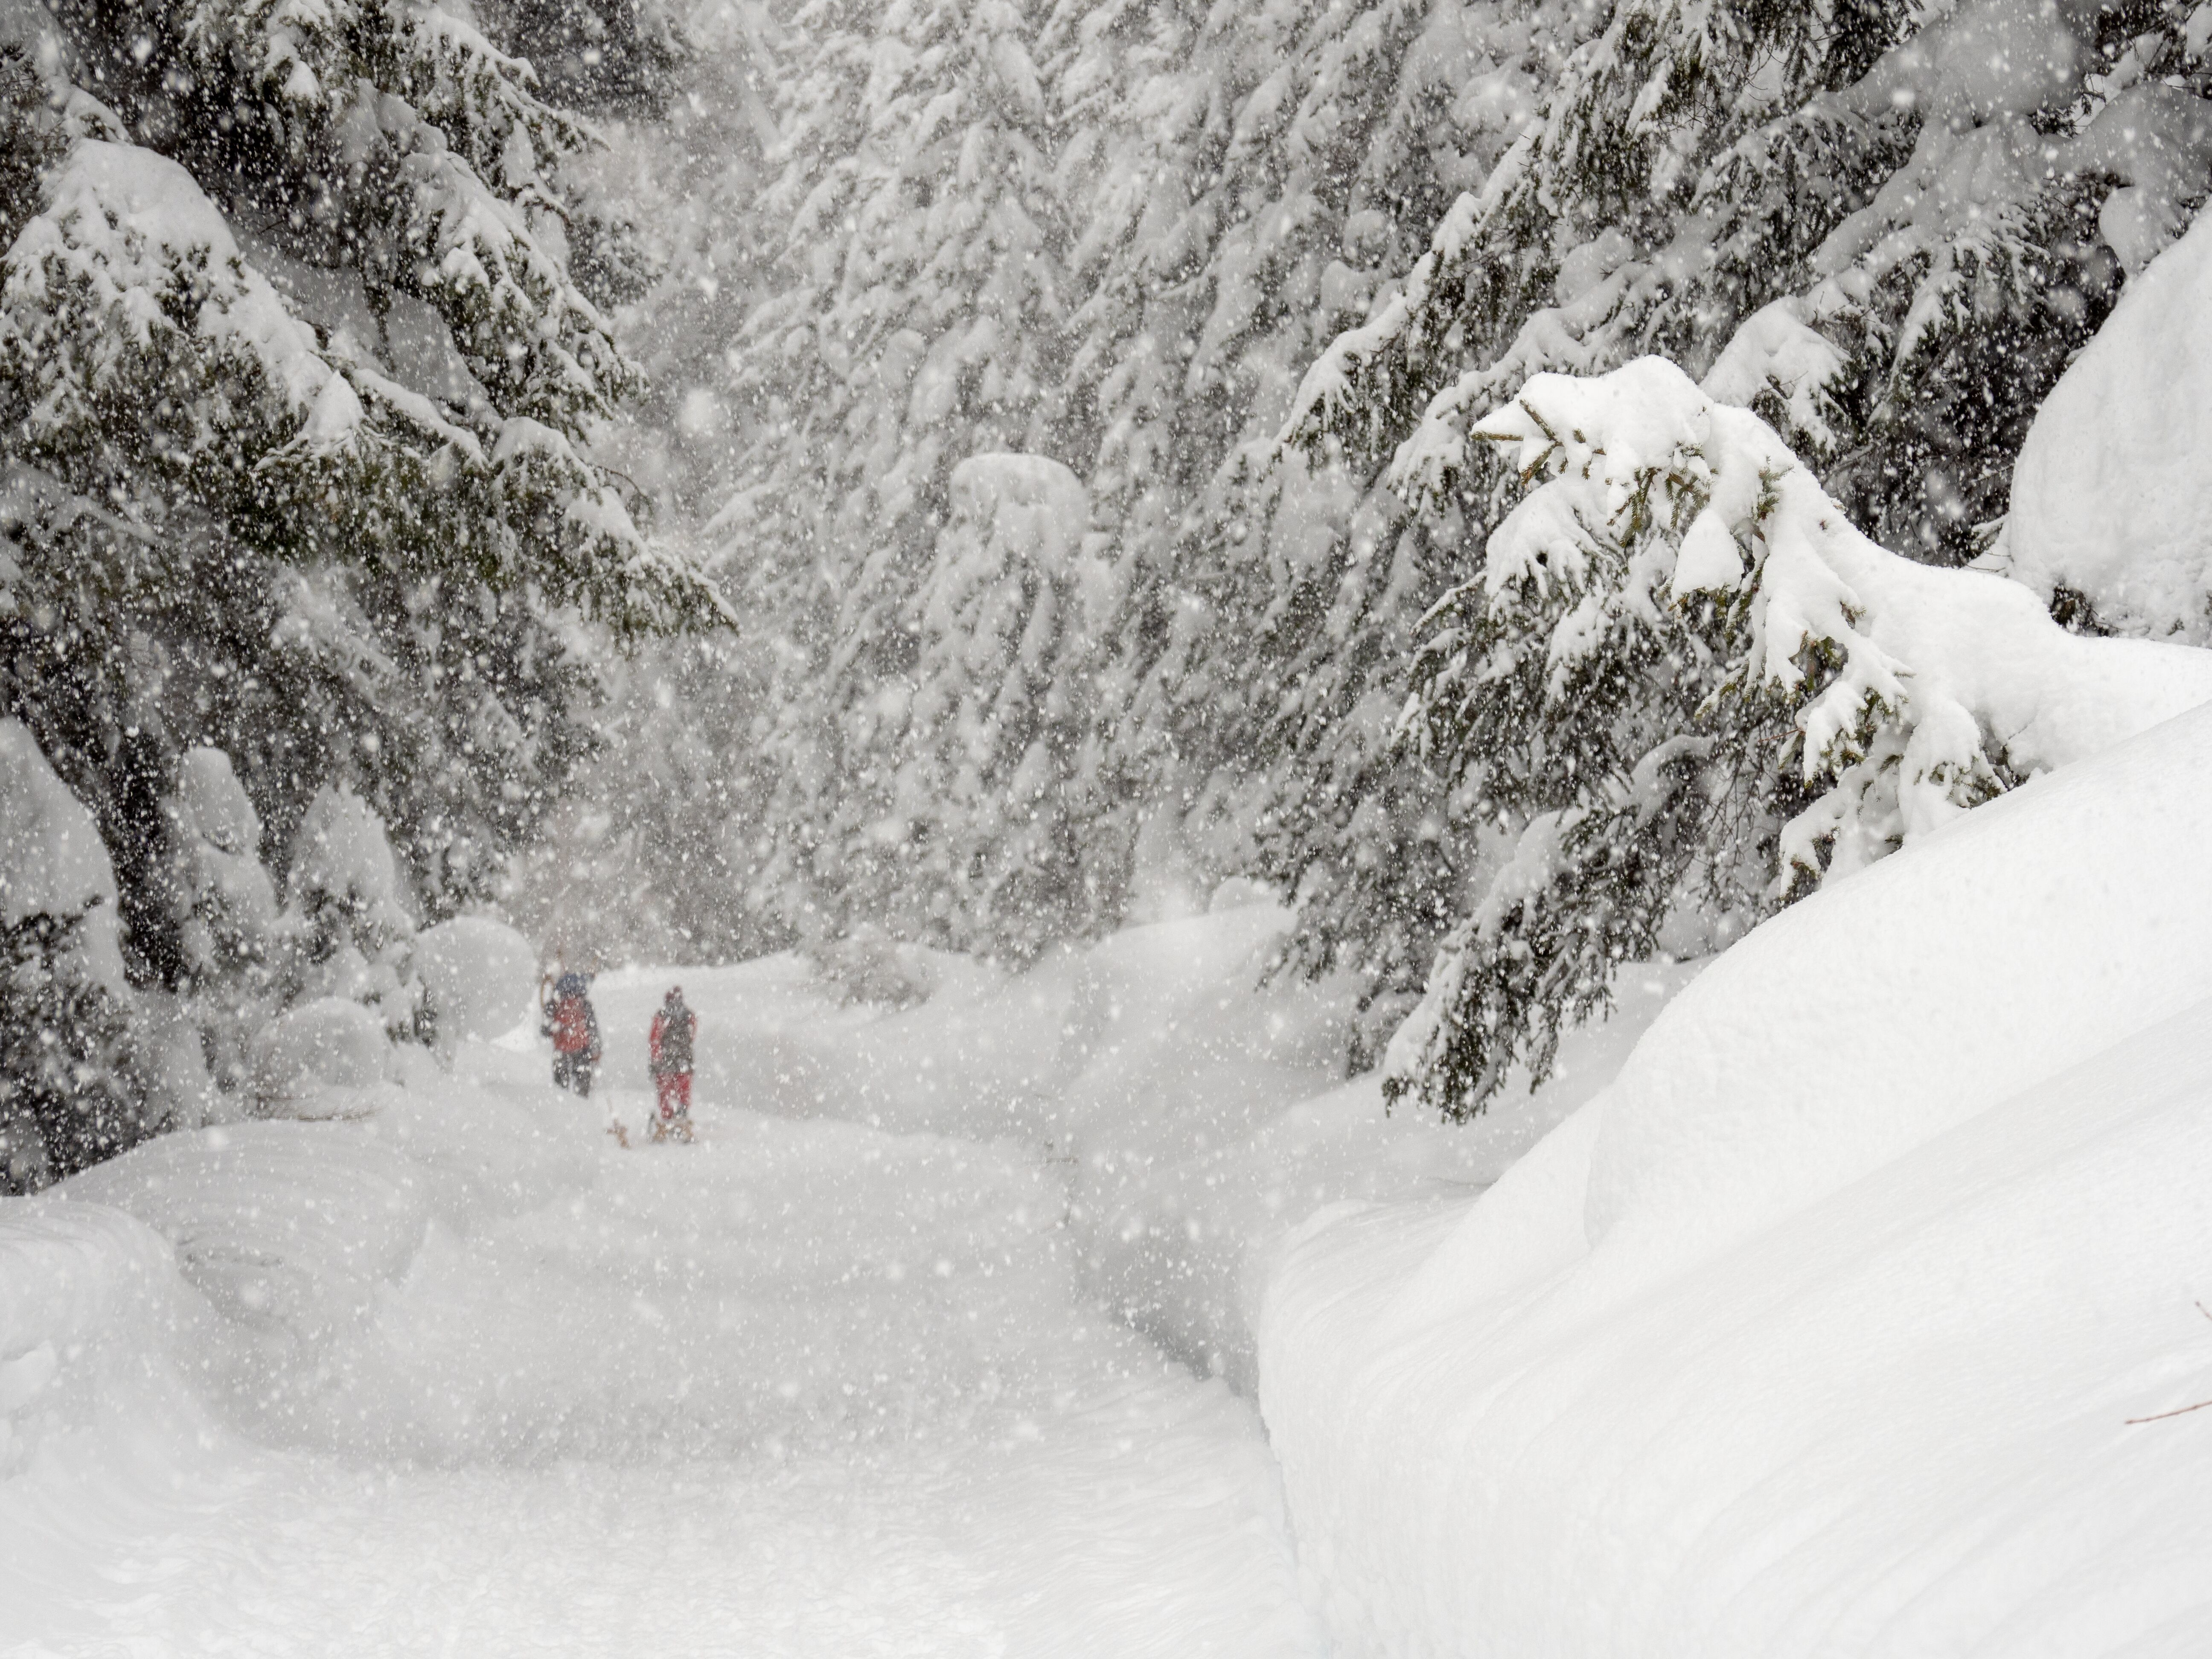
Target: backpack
<point>672,1044</point>
<point>572,1026</point>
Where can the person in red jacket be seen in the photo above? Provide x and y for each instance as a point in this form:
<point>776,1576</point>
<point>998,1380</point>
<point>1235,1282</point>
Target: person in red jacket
<point>573,1026</point>
<point>673,1027</point>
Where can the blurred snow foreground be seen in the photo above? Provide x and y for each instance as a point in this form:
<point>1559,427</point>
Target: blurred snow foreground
<point>1858,1316</point>
<point>909,1354</point>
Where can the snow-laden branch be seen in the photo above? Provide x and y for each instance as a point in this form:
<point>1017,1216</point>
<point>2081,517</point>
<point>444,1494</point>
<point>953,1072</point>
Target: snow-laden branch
<point>1676,572</point>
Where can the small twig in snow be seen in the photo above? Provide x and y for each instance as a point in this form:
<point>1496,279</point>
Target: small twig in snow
<point>2178,1411</point>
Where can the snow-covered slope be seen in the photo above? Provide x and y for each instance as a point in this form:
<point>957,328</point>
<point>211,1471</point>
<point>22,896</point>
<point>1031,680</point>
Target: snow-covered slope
<point>463,1377</point>
<point>1822,1330</point>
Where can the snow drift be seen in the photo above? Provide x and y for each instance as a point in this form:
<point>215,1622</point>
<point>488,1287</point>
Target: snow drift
<point>1824,1328</point>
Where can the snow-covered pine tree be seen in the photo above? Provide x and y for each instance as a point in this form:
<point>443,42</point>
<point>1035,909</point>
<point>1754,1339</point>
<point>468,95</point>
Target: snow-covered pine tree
<point>233,942</point>
<point>1681,677</point>
<point>619,55</point>
<point>998,775</point>
<point>914,323</point>
<point>1887,241</point>
<point>350,932</point>
<point>75,1087</point>
<point>1206,196</point>
<point>295,385</point>
<point>1271,604</point>
<point>655,855</point>
<point>1846,214</point>
<point>692,179</point>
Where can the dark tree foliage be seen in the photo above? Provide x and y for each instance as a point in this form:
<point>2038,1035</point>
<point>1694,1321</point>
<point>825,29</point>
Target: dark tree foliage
<point>615,56</point>
<point>378,583</point>
<point>68,1097</point>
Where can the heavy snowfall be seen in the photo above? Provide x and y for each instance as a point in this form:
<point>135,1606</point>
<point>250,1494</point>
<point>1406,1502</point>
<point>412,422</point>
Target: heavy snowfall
<point>1004,828</point>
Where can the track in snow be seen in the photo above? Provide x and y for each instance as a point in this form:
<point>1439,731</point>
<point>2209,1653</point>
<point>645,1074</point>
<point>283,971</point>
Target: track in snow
<point>483,1383</point>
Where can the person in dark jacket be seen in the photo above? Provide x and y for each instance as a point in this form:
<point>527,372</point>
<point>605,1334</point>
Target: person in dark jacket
<point>670,1041</point>
<point>573,1025</point>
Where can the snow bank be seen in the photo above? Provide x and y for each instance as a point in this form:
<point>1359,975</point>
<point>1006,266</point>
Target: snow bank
<point>219,834</point>
<point>1821,1330</point>
<point>326,1058</point>
<point>2113,495</point>
<point>1179,1247</point>
<point>100,1427</point>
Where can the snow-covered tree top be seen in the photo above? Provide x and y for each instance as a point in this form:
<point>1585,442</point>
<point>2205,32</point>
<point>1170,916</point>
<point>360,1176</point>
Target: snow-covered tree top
<point>1027,501</point>
<point>52,858</point>
<point>212,804</point>
<point>341,852</point>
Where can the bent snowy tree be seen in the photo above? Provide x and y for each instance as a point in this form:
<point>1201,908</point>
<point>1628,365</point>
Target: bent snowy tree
<point>1683,678</point>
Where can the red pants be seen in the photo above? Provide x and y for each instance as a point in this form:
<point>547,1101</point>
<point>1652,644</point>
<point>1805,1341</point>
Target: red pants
<point>674,1092</point>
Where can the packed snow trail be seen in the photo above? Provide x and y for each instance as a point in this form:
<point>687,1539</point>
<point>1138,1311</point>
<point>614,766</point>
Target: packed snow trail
<point>858,1373</point>
<point>463,1377</point>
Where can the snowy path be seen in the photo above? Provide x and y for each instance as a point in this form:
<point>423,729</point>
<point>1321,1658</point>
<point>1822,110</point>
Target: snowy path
<point>484,1384</point>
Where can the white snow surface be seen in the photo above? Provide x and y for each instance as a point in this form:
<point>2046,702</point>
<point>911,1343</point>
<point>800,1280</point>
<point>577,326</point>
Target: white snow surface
<point>2112,494</point>
<point>1827,1328</point>
<point>855,1374</point>
<point>316,1060</point>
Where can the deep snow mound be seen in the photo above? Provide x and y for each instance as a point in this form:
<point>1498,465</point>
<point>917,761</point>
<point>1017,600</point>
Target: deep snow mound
<point>1822,1329</point>
<point>801,1388</point>
<point>2112,496</point>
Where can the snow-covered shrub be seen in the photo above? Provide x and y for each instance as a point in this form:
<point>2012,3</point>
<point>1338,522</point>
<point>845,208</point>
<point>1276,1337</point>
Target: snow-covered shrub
<point>72,1092</point>
<point>477,975</point>
<point>326,1058</point>
<point>867,965</point>
<point>1682,674</point>
<point>353,934</point>
<point>68,1097</point>
<point>230,932</point>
